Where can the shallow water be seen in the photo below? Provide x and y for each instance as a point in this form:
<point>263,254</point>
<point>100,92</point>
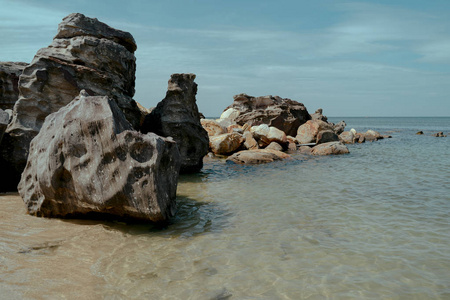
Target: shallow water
<point>373,224</point>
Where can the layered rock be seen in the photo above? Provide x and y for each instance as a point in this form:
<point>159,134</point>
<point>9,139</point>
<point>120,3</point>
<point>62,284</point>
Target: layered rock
<point>9,83</point>
<point>329,149</point>
<point>258,156</point>
<point>88,160</point>
<point>226,143</point>
<point>282,113</point>
<point>85,54</point>
<point>177,116</point>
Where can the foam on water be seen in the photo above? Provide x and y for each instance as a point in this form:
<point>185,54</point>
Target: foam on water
<point>373,224</point>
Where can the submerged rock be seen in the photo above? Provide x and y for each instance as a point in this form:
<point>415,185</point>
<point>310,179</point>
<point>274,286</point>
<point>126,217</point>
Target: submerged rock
<point>9,83</point>
<point>88,160</point>
<point>85,54</point>
<point>330,148</point>
<point>177,116</point>
<point>282,113</point>
<point>439,134</point>
<point>258,156</point>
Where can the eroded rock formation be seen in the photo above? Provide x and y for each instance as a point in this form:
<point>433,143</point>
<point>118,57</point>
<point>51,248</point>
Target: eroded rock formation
<point>87,159</point>
<point>177,116</point>
<point>9,83</point>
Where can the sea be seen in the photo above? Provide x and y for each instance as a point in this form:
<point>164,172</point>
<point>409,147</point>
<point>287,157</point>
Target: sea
<point>372,224</point>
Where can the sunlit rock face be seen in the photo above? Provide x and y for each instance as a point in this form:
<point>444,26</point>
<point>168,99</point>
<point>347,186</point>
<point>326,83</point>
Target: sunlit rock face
<point>88,160</point>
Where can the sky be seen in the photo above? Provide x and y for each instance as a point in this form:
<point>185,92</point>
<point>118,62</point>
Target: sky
<point>351,58</point>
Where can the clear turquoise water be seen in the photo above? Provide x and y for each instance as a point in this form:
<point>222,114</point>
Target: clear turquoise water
<point>373,224</point>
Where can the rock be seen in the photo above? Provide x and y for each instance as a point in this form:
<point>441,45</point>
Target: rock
<point>319,116</point>
<point>419,132</point>
<point>326,136</point>
<point>249,142</point>
<point>226,144</point>
<point>439,134</point>
<point>9,83</point>
<point>360,137</point>
<point>4,120</point>
<point>212,127</point>
<point>282,113</point>
<point>347,137</point>
<point>339,127</point>
<point>307,133</point>
<point>258,156</point>
<point>235,128</point>
<point>305,150</point>
<point>275,146</point>
<point>329,148</point>
<point>87,161</point>
<point>177,116</point>
<point>266,134</point>
<point>372,135</point>
<point>85,54</point>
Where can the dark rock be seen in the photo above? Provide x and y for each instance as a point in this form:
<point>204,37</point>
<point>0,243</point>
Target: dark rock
<point>326,136</point>
<point>87,161</point>
<point>419,132</point>
<point>9,83</point>
<point>329,149</point>
<point>177,116</point>
<point>282,113</point>
<point>4,120</point>
<point>85,54</point>
<point>258,156</point>
<point>439,134</point>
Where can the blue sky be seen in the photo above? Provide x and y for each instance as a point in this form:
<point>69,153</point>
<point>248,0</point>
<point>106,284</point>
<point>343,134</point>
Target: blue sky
<point>351,58</point>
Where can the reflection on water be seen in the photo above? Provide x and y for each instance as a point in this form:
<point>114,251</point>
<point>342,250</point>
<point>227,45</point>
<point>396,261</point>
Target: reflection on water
<point>369,225</point>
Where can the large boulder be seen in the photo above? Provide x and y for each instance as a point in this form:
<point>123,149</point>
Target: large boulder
<point>9,83</point>
<point>257,156</point>
<point>329,149</point>
<point>177,116</point>
<point>85,54</point>
<point>326,136</point>
<point>87,160</point>
<point>212,127</point>
<point>372,135</point>
<point>307,133</point>
<point>265,135</point>
<point>282,113</point>
<point>226,143</point>
<point>347,137</point>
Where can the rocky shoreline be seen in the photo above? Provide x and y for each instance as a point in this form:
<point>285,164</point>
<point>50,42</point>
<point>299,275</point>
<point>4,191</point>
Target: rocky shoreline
<point>75,143</point>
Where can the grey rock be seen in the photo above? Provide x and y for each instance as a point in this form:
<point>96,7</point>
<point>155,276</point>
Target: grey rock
<point>347,137</point>
<point>87,161</point>
<point>85,54</point>
<point>282,113</point>
<point>9,83</point>
<point>326,136</point>
<point>4,120</point>
<point>372,135</point>
<point>177,116</point>
<point>318,115</point>
<point>340,127</point>
<point>258,156</point>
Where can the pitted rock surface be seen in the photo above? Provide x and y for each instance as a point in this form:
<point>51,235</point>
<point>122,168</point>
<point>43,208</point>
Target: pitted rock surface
<point>9,83</point>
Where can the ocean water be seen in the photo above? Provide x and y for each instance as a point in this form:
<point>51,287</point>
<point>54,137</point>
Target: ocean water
<point>373,224</point>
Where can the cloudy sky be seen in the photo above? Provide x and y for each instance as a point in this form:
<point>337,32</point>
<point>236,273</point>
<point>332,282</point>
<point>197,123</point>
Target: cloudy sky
<point>351,58</point>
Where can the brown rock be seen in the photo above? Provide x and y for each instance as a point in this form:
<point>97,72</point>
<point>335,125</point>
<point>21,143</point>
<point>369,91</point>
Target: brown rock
<point>98,165</point>
<point>330,148</point>
<point>226,144</point>
<point>282,113</point>
<point>266,134</point>
<point>177,116</point>
<point>249,142</point>
<point>275,146</point>
<point>307,133</point>
<point>347,137</point>
<point>372,135</point>
<point>212,127</point>
<point>258,156</point>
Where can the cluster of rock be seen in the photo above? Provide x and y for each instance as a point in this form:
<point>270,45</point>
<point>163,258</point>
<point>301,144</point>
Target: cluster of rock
<point>261,129</point>
<point>80,144</point>
<point>437,134</point>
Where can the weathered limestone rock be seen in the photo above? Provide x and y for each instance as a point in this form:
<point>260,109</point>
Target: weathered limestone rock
<point>319,116</point>
<point>177,116</point>
<point>372,135</point>
<point>265,134</point>
<point>212,127</point>
<point>329,148</point>
<point>284,114</point>
<point>85,54</point>
<point>235,128</point>
<point>307,133</point>
<point>258,156</point>
<point>226,144</point>
<point>347,137</point>
<point>326,136</point>
<point>249,142</point>
<point>275,146</point>
<point>88,160</point>
<point>339,127</point>
<point>9,83</point>
<point>4,120</point>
